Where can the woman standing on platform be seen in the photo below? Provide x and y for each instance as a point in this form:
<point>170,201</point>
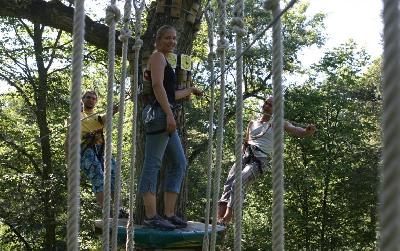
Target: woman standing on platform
<point>165,140</point>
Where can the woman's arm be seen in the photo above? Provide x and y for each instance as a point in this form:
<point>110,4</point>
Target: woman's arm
<point>157,66</point>
<point>246,136</point>
<point>180,94</point>
<point>300,132</point>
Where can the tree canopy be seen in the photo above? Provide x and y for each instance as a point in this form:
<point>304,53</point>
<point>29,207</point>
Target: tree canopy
<point>330,180</point>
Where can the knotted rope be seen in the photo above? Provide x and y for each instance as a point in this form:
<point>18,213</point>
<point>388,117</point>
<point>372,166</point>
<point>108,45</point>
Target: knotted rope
<point>124,37</point>
<point>238,28</point>
<point>222,45</point>
<point>112,16</point>
<point>390,186</point>
<point>130,243</point>
<point>74,146</point>
<point>209,14</point>
<point>277,123</point>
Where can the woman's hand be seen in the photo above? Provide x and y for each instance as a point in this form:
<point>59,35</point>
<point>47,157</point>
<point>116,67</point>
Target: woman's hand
<point>196,91</point>
<point>171,124</point>
<point>310,130</point>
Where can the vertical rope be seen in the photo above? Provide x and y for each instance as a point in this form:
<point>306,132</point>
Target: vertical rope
<point>390,186</point>
<point>277,123</point>
<point>124,37</point>
<point>130,243</point>
<point>112,16</point>
<point>74,146</point>
<point>222,45</point>
<point>209,14</point>
<point>238,28</point>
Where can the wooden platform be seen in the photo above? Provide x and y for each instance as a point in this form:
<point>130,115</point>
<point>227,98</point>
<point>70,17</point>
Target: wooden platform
<point>189,237</point>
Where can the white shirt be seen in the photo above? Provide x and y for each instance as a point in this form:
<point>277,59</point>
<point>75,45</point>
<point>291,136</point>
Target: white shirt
<point>260,135</point>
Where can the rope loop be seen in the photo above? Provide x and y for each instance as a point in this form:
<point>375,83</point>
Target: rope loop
<point>270,4</point>
<point>222,45</point>
<point>125,35</point>
<point>138,44</point>
<point>238,26</point>
<point>112,14</point>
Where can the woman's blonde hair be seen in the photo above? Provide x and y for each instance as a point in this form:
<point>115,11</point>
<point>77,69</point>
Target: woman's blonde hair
<point>162,30</point>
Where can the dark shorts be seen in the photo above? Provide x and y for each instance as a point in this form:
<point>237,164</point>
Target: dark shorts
<point>92,164</point>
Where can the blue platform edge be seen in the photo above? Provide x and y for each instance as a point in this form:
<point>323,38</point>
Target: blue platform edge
<point>191,236</point>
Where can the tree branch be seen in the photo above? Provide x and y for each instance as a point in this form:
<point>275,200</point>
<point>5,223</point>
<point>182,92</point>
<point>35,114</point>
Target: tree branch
<point>53,53</point>
<point>17,233</point>
<point>19,89</point>
<point>57,15</point>
<point>21,150</point>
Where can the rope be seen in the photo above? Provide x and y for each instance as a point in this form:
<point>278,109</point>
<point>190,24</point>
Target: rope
<point>125,35</point>
<point>390,187</point>
<point>112,16</point>
<point>238,27</point>
<point>222,45</point>
<point>138,44</point>
<point>257,37</point>
<point>209,14</point>
<point>74,146</point>
<point>277,123</point>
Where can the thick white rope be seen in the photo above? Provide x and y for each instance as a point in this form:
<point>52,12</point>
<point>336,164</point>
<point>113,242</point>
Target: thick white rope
<point>209,14</point>
<point>390,171</point>
<point>238,27</point>
<point>258,36</point>
<point>74,141</point>
<point>124,37</point>
<point>277,124</point>
<point>112,17</point>
<point>130,242</point>
<point>222,46</point>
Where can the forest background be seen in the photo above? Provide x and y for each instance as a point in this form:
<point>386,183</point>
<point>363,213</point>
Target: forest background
<point>331,180</point>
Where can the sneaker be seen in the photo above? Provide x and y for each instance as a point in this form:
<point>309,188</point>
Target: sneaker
<point>160,223</point>
<point>176,221</point>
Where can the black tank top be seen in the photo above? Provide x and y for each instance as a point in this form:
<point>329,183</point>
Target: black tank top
<point>169,83</point>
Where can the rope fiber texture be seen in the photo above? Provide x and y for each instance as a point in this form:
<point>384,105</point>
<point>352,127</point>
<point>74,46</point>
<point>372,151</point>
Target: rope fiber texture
<point>125,34</point>
<point>390,171</point>
<point>222,45</point>
<point>74,145</point>
<point>209,14</point>
<point>130,242</point>
<point>112,16</point>
<point>277,124</point>
<point>238,28</point>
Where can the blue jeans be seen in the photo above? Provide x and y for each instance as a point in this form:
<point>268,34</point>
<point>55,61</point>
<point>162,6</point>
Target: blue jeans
<point>156,146</point>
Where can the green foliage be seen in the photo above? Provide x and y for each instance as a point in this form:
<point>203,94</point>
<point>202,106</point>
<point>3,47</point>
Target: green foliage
<point>330,180</point>
<point>31,187</point>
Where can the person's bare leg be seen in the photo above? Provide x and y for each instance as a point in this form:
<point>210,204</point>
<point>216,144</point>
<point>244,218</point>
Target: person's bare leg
<point>169,203</point>
<point>149,201</point>
<point>228,215</point>
<point>100,198</point>
<point>221,210</point>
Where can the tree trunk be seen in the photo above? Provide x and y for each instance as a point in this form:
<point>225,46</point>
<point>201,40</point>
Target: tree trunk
<point>40,94</point>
